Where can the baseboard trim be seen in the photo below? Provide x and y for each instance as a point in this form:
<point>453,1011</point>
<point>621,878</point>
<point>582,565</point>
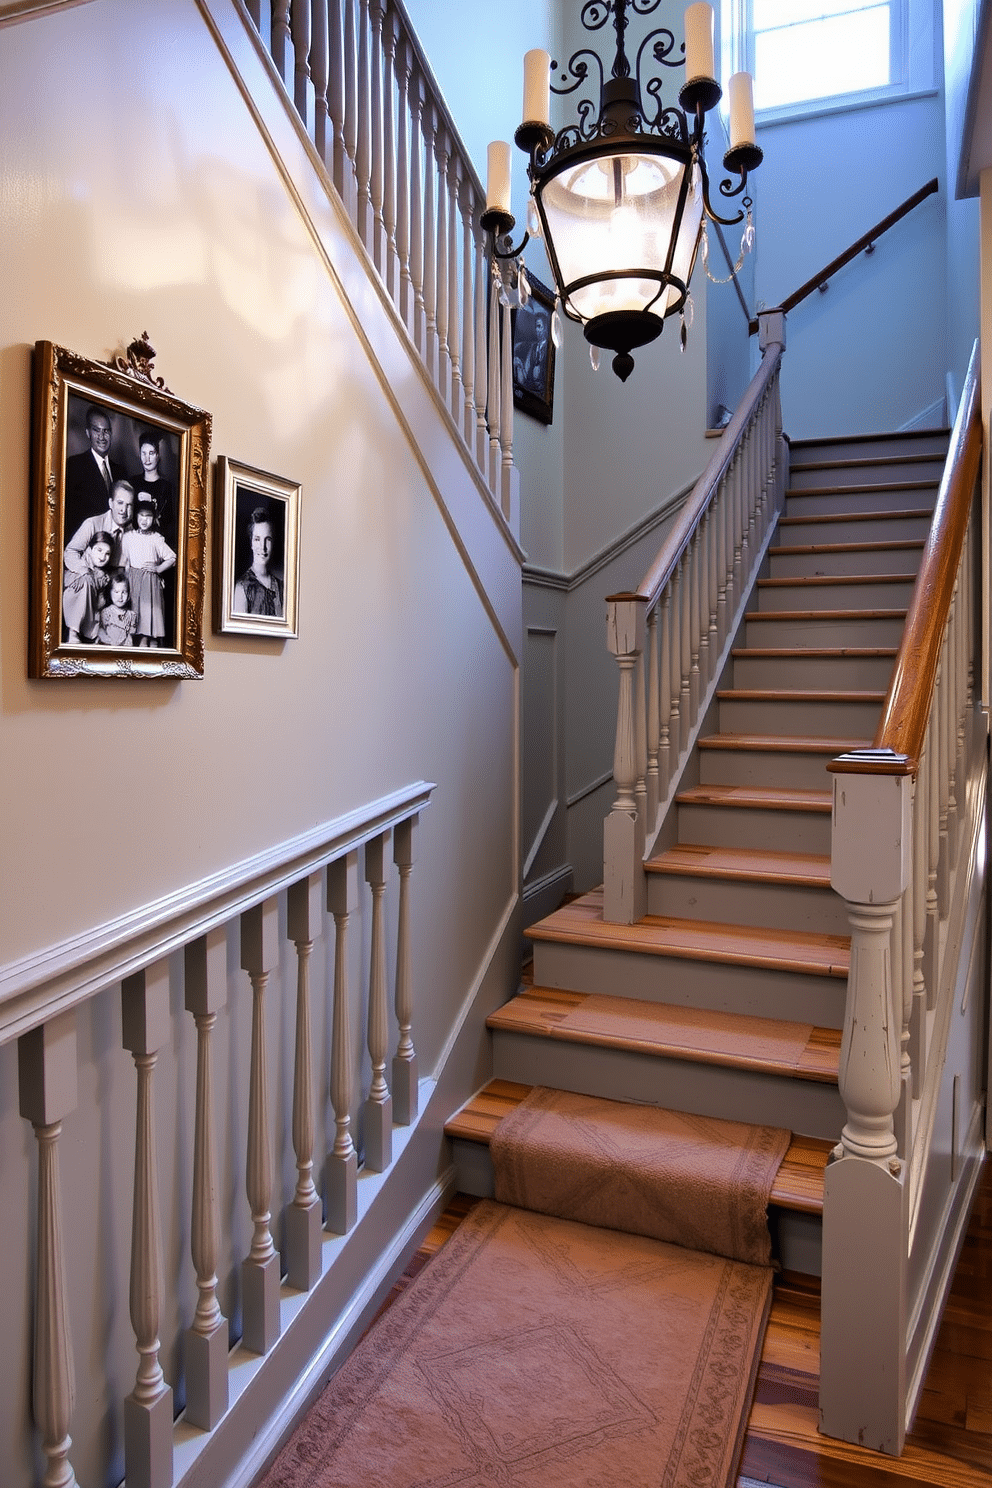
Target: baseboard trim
<point>545,894</point>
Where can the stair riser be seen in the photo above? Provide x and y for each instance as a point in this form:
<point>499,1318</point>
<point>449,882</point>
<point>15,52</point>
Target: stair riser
<point>897,498</point>
<point>862,561</point>
<point>852,594</point>
<point>740,715</point>
<point>760,767</point>
<point>826,630</point>
<point>877,529</point>
<point>735,902</point>
<point>753,990</point>
<point>754,827</point>
<point>823,474</point>
<point>804,1106</point>
<point>814,673</point>
<point>797,1237</point>
<point>884,446</point>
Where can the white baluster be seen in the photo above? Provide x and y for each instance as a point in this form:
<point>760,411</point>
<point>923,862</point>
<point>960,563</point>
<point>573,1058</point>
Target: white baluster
<point>674,643</point>
<point>431,194</point>
<point>695,620</point>
<point>654,732</point>
<point>364,117</point>
<point>665,694</point>
<point>641,737</point>
<point>148,1409</point>
<point>206,1340</point>
<point>418,212</point>
<point>509,494</point>
<point>686,711</point>
<point>341,1168</point>
<point>404,70</point>
<point>280,37</point>
<point>405,1083</point>
<point>379,1106</point>
<point>302,94</point>
<point>325,13</point>
<point>255,11</point>
<point>624,892</point>
<point>481,349</point>
<point>391,263</point>
<point>495,386</point>
<point>442,150</point>
<point>921,856</point>
<point>346,166</point>
<point>377,246</point>
<point>304,918</point>
<point>47,1087</point>
<point>467,207</point>
<point>260,1268</point>
<point>454,192</point>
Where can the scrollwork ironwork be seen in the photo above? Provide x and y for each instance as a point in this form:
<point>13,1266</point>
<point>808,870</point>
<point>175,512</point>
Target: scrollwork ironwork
<point>138,361</point>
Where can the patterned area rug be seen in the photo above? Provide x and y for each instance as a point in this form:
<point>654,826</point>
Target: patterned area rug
<point>540,1352</point>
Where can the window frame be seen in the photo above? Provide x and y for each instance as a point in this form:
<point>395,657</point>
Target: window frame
<point>911,61</point>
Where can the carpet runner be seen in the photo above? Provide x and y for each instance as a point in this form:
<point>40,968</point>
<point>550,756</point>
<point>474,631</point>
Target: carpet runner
<point>602,1344</point>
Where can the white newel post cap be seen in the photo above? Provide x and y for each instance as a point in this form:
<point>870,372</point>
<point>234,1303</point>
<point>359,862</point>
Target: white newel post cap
<point>871,849</point>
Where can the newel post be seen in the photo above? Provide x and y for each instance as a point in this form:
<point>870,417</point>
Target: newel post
<point>624,885</point>
<point>865,1210</point>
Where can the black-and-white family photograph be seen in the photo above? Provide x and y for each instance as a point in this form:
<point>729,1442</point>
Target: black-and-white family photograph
<point>120,529</point>
<point>259,549</point>
<point>534,354</point>
<point>118,522</point>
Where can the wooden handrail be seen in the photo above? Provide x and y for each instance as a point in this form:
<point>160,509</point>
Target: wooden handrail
<point>902,728</point>
<point>866,240</point>
<point>680,535</point>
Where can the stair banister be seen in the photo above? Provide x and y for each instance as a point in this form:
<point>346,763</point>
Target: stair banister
<point>897,810</point>
<point>670,635</point>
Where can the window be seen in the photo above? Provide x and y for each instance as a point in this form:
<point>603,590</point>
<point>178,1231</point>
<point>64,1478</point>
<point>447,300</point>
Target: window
<point>811,55</point>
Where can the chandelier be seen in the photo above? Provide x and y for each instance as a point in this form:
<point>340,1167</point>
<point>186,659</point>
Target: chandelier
<point>620,197</point>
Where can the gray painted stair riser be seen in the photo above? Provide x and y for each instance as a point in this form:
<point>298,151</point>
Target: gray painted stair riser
<point>804,1106</point>
<point>754,826</point>
<point>896,497</point>
<point>822,473</point>
<point>766,768</point>
<point>864,561</point>
<point>871,446</point>
<point>814,673</point>
<point>753,991</point>
<point>796,1237</point>
<point>881,528</point>
<point>735,901</point>
<point>850,594</point>
<point>770,629</point>
<point>833,716</point>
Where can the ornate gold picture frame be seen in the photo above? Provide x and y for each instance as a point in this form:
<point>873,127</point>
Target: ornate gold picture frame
<point>118,520</point>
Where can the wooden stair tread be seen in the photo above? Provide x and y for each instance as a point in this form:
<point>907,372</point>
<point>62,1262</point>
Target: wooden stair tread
<point>778,616</point>
<point>856,653</point>
<point>782,743</point>
<point>743,863</point>
<point>865,462</point>
<point>835,579</point>
<point>798,1184</point>
<point>581,923</point>
<point>756,797</point>
<point>621,1023</point>
<point>883,546</point>
<point>864,489</point>
<point>898,436</point>
<point>834,518</point>
<point>805,695</point>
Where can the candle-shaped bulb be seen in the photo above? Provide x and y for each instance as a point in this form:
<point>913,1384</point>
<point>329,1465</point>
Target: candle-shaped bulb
<point>699,42</point>
<point>498,177</point>
<point>537,87</point>
<point>741,110</point>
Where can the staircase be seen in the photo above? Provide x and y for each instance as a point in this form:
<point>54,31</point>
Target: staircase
<point>728,996</point>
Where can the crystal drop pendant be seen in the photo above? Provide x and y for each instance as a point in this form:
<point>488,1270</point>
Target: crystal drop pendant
<point>688,310</point>
<point>594,358</point>
<point>523,285</point>
<point>556,326</point>
<point>533,220</point>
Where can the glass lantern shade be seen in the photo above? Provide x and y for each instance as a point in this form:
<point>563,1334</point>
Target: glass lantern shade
<point>609,221</point>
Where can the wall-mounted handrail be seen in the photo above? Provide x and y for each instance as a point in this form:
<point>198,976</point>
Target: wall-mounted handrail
<point>867,240</point>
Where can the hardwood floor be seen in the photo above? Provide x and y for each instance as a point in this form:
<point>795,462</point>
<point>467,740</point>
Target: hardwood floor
<point>951,1443</point>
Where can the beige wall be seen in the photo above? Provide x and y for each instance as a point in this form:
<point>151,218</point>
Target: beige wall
<point>140,191</point>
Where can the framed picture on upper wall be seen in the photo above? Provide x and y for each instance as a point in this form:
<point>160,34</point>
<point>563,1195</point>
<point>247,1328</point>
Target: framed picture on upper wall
<point>257,545</point>
<point>118,520</point>
<point>534,353</point>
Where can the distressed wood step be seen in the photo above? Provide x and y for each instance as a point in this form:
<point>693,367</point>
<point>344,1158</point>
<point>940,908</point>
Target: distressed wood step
<point>766,817</point>
<point>824,627</point>
<point>881,496</point>
<point>821,668</point>
<point>841,446</point>
<point>810,869</point>
<point>861,559</point>
<point>623,1023</point>
<point>798,1184</point>
<point>748,886</point>
<point>836,591</point>
<point>863,526</point>
<point>581,923</point>
<point>800,711</point>
<point>783,761</point>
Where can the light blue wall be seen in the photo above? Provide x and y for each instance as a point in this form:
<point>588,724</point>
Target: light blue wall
<point>871,352</point>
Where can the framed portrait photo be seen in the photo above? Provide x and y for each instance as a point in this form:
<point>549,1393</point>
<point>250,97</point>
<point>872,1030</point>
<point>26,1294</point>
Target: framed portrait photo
<point>117,524</point>
<point>534,353</point>
<point>256,590</point>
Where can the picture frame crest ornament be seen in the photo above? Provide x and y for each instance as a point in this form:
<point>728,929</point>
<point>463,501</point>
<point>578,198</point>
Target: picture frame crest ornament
<point>107,438</point>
